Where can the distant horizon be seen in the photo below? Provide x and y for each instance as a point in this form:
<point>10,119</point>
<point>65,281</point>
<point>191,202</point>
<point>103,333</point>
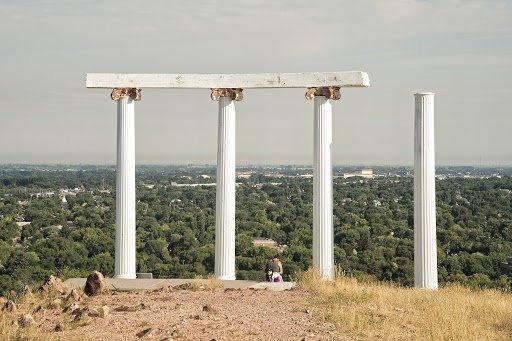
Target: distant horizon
<point>243,165</point>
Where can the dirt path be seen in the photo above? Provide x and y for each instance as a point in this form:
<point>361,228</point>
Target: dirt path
<point>203,315</point>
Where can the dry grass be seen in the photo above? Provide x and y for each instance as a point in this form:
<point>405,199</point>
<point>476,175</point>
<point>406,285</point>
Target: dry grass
<point>40,305</point>
<point>26,304</point>
<point>383,311</point>
<point>205,283</point>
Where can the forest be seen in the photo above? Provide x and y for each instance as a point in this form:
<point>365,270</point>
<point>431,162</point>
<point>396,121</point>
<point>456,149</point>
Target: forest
<point>40,234</point>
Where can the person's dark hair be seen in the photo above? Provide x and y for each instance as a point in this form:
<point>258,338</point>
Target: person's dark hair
<point>276,256</point>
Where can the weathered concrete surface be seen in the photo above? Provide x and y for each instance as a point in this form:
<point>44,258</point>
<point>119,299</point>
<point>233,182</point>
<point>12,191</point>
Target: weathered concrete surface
<point>245,81</point>
<point>122,284</point>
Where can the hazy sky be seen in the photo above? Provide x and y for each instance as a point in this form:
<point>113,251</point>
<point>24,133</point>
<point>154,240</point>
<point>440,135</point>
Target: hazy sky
<point>461,50</point>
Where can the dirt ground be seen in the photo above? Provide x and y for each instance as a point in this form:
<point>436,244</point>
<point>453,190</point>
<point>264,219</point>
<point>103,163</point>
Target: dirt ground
<point>198,315</point>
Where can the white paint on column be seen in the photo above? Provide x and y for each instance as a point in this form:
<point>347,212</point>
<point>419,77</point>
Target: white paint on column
<point>225,210</point>
<point>125,190</point>
<point>425,247</point>
<point>323,239</point>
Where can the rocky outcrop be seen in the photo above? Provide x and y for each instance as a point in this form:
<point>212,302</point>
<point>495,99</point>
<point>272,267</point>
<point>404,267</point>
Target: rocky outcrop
<point>54,284</point>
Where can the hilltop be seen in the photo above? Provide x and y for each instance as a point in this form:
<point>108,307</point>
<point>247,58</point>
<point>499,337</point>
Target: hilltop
<point>343,309</point>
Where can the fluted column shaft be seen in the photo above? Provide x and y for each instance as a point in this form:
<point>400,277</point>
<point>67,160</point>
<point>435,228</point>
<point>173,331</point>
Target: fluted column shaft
<point>225,210</point>
<point>323,239</point>
<point>125,190</point>
<point>425,247</point>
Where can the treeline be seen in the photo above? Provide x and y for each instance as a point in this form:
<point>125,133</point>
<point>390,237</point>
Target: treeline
<point>373,227</point>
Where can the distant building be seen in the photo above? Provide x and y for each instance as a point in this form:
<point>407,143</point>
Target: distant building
<point>244,175</point>
<point>64,203</point>
<point>23,202</point>
<point>273,175</point>
<point>21,224</point>
<point>58,227</point>
<point>264,242</point>
<point>175,184</point>
<point>363,173</point>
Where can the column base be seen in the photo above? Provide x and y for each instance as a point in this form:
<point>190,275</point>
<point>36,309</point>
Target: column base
<point>326,274</point>
<point>426,288</point>
<point>126,276</point>
<point>226,278</point>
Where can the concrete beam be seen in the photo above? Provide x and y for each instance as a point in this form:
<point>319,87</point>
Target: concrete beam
<point>244,81</point>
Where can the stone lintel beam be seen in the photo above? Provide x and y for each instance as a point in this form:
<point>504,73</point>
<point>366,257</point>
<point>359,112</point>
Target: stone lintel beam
<point>233,81</point>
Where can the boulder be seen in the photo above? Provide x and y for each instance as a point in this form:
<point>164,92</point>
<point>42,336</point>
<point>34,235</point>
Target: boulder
<point>95,284</point>
<point>78,311</point>
<point>74,296</point>
<point>104,311</point>
<point>71,308</point>
<point>54,284</point>
<point>93,312</point>
<point>80,314</point>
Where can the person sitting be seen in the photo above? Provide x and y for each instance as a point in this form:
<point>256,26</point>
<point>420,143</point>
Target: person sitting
<point>277,276</point>
<point>270,269</point>
<point>274,270</point>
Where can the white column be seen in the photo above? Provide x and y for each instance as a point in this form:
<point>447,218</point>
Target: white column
<point>323,239</point>
<point>425,249</point>
<point>125,189</point>
<point>225,210</point>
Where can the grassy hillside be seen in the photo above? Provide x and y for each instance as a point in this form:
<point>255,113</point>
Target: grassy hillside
<point>378,310</point>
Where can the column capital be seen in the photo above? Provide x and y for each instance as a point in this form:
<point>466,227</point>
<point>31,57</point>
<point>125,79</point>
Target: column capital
<point>329,92</point>
<point>234,93</point>
<point>118,93</point>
